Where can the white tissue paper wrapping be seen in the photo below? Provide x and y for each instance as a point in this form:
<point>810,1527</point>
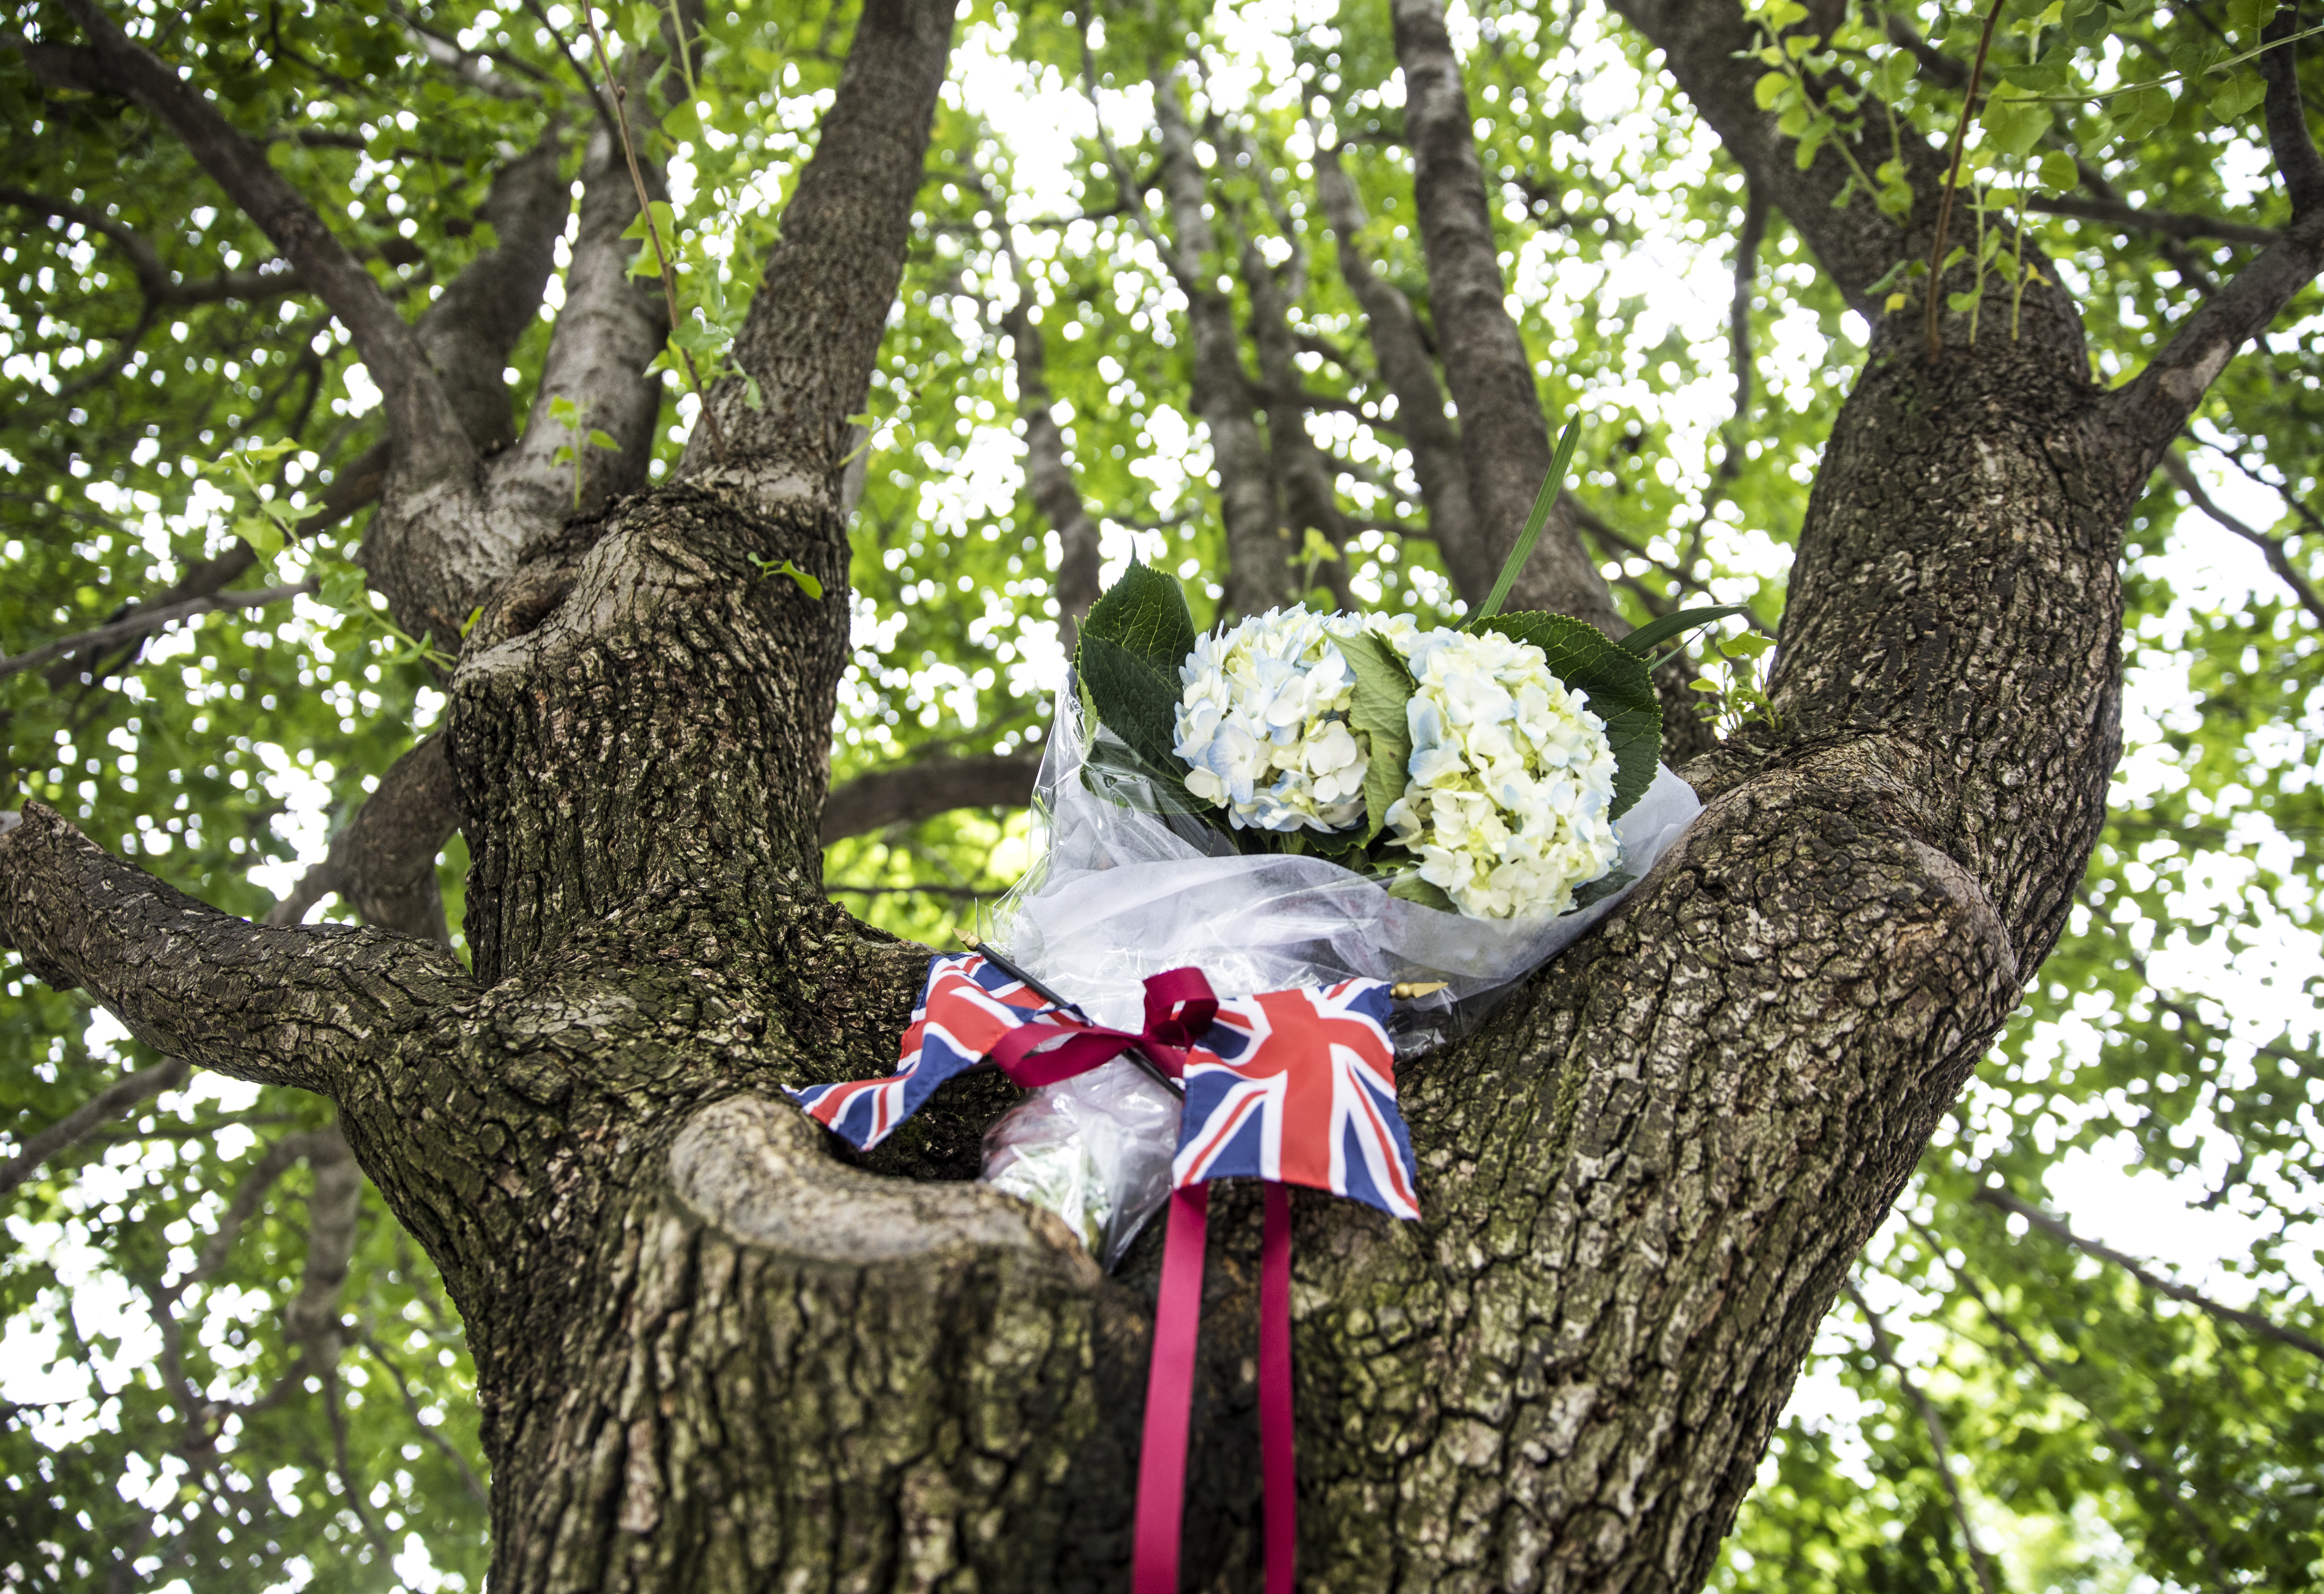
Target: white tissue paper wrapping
<point>1117,894</point>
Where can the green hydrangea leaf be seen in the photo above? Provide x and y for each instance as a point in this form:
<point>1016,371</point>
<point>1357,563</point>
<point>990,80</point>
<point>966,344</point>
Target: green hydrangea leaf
<point>1144,615</point>
<point>1134,698</point>
<point>1411,888</point>
<point>1620,687</point>
<point>1383,688</point>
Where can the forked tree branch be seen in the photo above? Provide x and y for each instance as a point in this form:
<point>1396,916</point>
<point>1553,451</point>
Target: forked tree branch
<point>102,1108</point>
<point>2150,412</point>
<point>429,440</point>
<point>814,328</point>
<point>290,1006</point>
<point>383,860</point>
<point>2057,1228</point>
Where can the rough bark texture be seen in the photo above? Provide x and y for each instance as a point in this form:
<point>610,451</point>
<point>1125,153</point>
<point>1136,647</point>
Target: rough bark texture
<point>1504,439</point>
<point>715,1355</point>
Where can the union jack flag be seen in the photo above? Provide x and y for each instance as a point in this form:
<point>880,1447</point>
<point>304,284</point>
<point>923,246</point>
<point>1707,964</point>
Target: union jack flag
<point>966,1005</point>
<point>1299,1087</point>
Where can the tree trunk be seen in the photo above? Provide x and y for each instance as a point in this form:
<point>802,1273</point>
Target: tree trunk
<point>713,1355</point>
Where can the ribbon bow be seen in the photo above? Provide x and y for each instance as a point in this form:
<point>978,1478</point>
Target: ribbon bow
<point>1058,1046</point>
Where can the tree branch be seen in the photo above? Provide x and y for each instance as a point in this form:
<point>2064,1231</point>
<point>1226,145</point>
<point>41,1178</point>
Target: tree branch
<point>1411,376</point>
<point>910,793</point>
<point>382,859</point>
<point>467,333</point>
<point>1504,438</point>
<point>276,1006</point>
<point>2002,1200</point>
<point>160,285</point>
<point>1302,472</point>
<point>1133,191</point>
<point>278,1159</point>
<point>429,439</point>
<point>813,327</point>
<point>102,1108</point>
<point>1709,46</point>
<point>2175,1487</point>
<point>2174,465</point>
<point>1885,1348</point>
<point>609,330</point>
<point>147,619</point>
<point>1049,478</point>
<point>2148,413</point>
<point>1258,576</point>
<point>2166,224</point>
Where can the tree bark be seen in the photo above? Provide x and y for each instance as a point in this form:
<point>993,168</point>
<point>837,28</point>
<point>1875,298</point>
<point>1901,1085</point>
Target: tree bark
<point>1258,574</point>
<point>1504,439</point>
<point>1411,376</point>
<point>711,1355</point>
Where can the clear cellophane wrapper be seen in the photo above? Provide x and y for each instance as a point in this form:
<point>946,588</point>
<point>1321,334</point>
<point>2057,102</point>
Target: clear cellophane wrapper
<point>1120,891</point>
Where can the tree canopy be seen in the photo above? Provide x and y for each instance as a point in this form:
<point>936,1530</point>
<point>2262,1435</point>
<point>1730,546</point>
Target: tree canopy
<point>1168,292</point>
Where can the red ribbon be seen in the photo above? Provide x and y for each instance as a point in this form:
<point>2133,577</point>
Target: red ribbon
<point>1170,1393</point>
<point>1179,1007</point>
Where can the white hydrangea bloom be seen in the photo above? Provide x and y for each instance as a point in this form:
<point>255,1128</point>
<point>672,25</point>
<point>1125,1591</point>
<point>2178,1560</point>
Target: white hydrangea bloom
<point>1262,723</point>
<point>1511,790</point>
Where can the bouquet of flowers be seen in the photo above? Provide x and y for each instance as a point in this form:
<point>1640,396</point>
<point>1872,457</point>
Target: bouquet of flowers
<point>1301,798</point>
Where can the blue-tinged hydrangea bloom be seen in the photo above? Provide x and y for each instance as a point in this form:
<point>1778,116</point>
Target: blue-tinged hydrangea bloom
<point>1509,793</point>
<point>1262,723</point>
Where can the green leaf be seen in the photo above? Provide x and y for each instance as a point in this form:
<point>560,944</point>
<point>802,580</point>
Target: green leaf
<point>2238,96</point>
<point>806,584</point>
<point>1411,888</point>
<point>2249,16</point>
<point>665,221</point>
<point>1544,502</point>
<point>1144,615</point>
<point>2142,111</point>
<point>2014,120</point>
<point>1771,88</point>
<point>1618,683</point>
<point>1642,642</point>
<point>2058,171</point>
<point>1135,698</point>
<point>264,537</point>
<point>1383,689</point>
<point>343,589</point>
<point>603,439</point>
